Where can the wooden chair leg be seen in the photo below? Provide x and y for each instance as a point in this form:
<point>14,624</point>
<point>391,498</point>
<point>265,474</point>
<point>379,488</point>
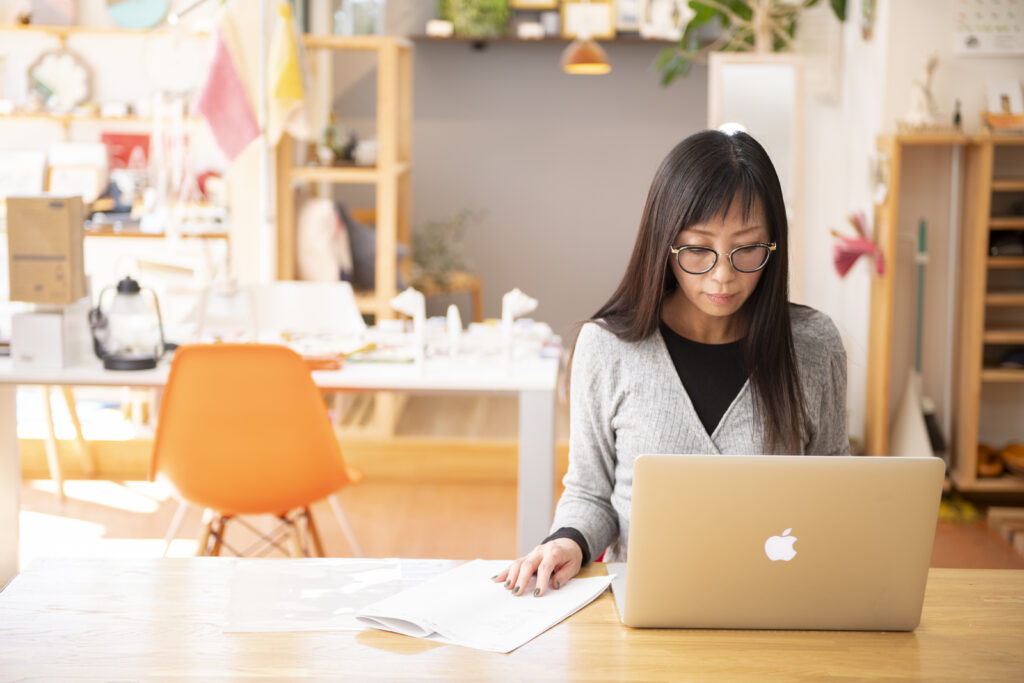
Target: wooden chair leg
<point>88,462</point>
<point>204,534</point>
<point>314,534</point>
<point>294,538</point>
<point>52,452</point>
<point>219,527</point>
<point>179,517</point>
<point>346,528</point>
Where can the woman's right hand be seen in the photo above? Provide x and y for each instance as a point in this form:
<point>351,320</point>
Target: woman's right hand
<point>554,563</point>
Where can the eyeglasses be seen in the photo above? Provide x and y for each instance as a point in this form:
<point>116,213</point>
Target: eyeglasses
<point>748,258</point>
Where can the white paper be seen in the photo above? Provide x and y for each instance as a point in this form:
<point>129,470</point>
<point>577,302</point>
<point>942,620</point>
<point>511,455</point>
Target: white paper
<point>464,607</point>
<point>317,594</point>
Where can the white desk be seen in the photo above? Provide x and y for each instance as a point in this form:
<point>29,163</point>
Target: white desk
<point>533,380</point>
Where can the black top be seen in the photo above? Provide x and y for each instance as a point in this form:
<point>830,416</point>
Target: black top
<point>712,374</point>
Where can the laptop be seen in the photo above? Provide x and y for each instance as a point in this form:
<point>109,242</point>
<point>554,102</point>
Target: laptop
<point>779,542</point>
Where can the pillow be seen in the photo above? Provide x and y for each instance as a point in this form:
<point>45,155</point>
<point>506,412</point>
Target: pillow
<point>362,241</point>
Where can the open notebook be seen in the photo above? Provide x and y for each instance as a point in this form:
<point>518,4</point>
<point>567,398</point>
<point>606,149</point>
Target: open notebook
<point>464,607</point>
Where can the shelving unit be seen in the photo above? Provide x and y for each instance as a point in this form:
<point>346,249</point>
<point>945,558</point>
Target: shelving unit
<point>390,176</point>
<point>883,287</point>
<point>992,303</point>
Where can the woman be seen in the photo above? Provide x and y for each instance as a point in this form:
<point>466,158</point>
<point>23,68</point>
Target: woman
<point>697,351</point>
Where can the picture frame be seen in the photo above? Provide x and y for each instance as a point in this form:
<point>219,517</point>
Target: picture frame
<point>533,4</point>
<point>594,19</point>
<point>75,181</point>
<point>627,15</point>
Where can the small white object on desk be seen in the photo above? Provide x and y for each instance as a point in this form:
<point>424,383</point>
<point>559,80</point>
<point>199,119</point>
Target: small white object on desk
<point>513,305</point>
<point>412,303</point>
<point>453,323</point>
<point>530,30</point>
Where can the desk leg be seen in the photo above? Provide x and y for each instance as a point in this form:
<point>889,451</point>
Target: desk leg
<point>536,468</point>
<point>10,483</point>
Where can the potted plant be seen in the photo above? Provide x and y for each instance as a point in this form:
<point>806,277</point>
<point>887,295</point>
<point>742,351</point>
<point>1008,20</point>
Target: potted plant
<point>476,18</point>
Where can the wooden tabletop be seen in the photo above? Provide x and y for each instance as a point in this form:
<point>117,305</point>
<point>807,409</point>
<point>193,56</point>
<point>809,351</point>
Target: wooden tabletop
<point>132,619</point>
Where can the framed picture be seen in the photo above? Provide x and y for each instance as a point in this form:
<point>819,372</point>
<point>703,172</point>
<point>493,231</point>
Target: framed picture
<point>594,19</point>
<point>627,15</point>
<point>71,181</point>
<point>533,4</point>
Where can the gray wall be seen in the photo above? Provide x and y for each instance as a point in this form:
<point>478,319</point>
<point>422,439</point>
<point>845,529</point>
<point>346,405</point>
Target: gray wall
<point>560,164</point>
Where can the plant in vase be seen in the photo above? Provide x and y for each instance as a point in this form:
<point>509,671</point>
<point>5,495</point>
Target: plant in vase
<point>743,26</point>
<point>438,252</point>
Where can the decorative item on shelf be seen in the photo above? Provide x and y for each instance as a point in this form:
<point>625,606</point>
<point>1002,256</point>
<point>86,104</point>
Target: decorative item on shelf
<point>440,28</point>
<point>924,111</point>
<point>1005,106</point>
<point>60,79</point>
<point>627,15</point>
<point>552,23</point>
<point>130,334</point>
<point>744,26</point>
<point>363,244</point>
<point>324,252</point>
<point>335,144</point>
<point>588,19</point>
<point>665,19</point>
<point>139,13</point>
<point>847,250</point>
<point>530,30</point>
<point>476,18</point>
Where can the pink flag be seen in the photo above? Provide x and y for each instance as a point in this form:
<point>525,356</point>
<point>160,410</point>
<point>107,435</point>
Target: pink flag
<point>224,102</point>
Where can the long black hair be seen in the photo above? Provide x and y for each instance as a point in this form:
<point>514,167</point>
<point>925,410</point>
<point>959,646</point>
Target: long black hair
<point>696,182</point>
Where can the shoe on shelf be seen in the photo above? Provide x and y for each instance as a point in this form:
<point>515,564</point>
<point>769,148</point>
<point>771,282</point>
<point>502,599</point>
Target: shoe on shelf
<point>990,461</point>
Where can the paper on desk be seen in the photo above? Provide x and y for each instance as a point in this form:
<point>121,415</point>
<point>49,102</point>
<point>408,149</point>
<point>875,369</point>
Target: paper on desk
<point>464,607</point>
<point>317,594</point>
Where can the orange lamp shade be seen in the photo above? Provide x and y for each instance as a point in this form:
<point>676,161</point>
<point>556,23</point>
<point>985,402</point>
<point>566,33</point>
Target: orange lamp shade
<point>585,57</point>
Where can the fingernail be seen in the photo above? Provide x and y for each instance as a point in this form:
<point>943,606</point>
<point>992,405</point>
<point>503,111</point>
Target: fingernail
<point>507,583</point>
<point>516,589</point>
<point>536,592</point>
<point>494,577</point>
<point>558,584</point>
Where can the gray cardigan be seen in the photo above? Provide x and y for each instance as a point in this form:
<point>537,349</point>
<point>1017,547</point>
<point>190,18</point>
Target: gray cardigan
<point>626,399</point>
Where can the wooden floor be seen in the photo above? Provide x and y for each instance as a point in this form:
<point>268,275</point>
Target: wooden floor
<point>403,517</point>
<point>407,519</point>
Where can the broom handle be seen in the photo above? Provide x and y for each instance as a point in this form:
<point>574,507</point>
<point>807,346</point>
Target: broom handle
<point>922,250</point>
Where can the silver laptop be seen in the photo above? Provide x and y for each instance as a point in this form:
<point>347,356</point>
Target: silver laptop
<point>779,542</point>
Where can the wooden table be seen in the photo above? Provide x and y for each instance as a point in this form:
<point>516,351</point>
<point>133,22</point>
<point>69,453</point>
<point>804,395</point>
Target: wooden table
<point>532,379</point>
<point>114,619</point>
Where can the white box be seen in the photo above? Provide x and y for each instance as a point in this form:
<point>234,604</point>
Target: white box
<point>52,338</point>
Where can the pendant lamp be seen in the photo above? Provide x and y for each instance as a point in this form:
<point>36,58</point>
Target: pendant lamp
<point>585,56</point>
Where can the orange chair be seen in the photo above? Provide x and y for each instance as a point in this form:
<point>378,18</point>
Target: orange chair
<point>244,430</point>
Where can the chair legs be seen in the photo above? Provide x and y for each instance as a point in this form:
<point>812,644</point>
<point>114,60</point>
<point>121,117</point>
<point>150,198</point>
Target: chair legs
<point>346,528</point>
<point>172,530</point>
<point>209,517</point>
<point>314,533</point>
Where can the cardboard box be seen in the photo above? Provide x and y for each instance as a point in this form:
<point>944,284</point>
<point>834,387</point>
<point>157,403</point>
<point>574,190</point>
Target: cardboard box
<point>44,246</point>
<point>51,339</point>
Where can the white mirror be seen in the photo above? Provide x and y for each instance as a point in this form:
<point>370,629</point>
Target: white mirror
<point>764,94</point>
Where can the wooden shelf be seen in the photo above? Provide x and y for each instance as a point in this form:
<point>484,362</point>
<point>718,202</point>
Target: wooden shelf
<point>1006,223</point>
<point>63,32</point>
<point>66,119</point>
<point>344,174</point>
<point>1002,262</point>
<point>350,43</point>
<point>1003,484</point>
<point>626,39</point>
<point>1003,336</point>
<point>933,138</point>
<point>1004,299</point>
<point>1007,185</point>
<point>1002,375</point>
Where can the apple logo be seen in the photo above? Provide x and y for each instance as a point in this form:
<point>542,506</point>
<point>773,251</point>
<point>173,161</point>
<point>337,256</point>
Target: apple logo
<point>780,547</point>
